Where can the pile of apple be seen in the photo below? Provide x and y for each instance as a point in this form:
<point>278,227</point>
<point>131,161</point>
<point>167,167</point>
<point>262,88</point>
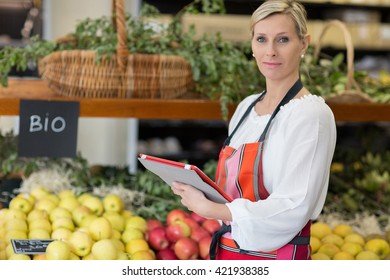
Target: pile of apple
<point>84,227</point>
<point>341,242</point>
<point>183,236</point>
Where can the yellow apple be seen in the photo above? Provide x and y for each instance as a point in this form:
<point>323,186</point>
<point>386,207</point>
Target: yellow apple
<point>126,213</point>
<point>20,203</point>
<point>117,220</point>
<point>3,255</point>
<point>46,204</point>
<point>122,256</point>
<point>84,196</point>
<point>39,257</point>
<point>333,238</point>
<point>100,228</point>
<point>3,214</point>
<point>66,193</point>
<point>136,222</point>
<point>63,222</point>
<point>69,202</point>
<point>21,257</point>
<point>37,214</point>
<point>87,220</point>
<point>80,243</point>
<point>104,249</point>
<point>343,256</point>
<point>130,234</point>
<point>367,255</point>
<point>320,256</point>
<point>315,244</point>
<point>15,214</point>
<point>342,230</point>
<point>59,212</point>
<point>116,234</point>
<point>61,233</point>
<point>88,257</point>
<point>38,233</point>
<point>2,233</point>
<point>143,255</point>
<point>15,234</point>
<point>378,246</point>
<point>136,245</point>
<point>352,248</point>
<point>74,257</point>
<point>320,230</point>
<point>16,224</point>
<point>9,250</point>
<point>58,250</point>
<point>118,244</point>
<point>113,202</point>
<point>39,192</point>
<point>95,204</point>
<point>29,197</point>
<point>355,238</point>
<point>41,224</point>
<point>79,213</point>
<point>329,249</point>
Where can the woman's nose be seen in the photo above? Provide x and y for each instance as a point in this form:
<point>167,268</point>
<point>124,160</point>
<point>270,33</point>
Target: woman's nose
<point>271,52</point>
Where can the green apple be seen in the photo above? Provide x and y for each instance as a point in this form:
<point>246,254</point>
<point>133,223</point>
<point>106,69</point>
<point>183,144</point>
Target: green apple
<point>58,250</point>
<point>80,243</point>
<point>79,213</point>
<point>117,220</point>
<point>113,202</point>
<point>59,212</point>
<point>104,249</point>
<point>100,228</point>
<point>95,204</point>
<point>21,203</point>
<point>378,246</point>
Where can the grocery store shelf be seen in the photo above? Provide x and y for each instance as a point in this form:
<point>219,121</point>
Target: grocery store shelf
<point>184,108</point>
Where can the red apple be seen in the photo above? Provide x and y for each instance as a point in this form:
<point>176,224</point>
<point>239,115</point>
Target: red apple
<point>177,230</point>
<point>211,225</point>
<point>157,238</point>
<point>191,222</point>
<point>199,219</point>
<point>166,254</point>
<point>204,247</point>
<point>153,223</point>
<point>198,233</point>
<point>186,249</point>
<point>176,215</point>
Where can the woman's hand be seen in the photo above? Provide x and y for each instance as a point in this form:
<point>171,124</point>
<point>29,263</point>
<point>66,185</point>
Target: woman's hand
<point>196,201</point>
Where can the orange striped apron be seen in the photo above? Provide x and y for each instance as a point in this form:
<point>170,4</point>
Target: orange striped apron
<point>240,174</point>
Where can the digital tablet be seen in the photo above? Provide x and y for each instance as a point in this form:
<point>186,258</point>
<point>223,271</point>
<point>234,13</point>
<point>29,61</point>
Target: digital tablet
<point>170,171</point>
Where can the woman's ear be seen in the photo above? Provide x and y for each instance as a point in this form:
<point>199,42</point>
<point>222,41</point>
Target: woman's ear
<point>306,42</point>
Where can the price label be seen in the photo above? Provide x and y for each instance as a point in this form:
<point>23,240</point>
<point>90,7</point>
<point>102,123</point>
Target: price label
<point>30,246</point>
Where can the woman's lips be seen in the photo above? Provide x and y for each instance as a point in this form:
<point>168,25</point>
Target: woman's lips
<point>271,64</point>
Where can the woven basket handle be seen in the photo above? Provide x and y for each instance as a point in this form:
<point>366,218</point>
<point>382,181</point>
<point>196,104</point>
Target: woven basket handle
<point>350,51</point>
<point>122,51</point>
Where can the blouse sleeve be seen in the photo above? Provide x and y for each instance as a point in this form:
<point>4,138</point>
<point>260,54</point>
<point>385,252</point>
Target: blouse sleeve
<point>299,191</point>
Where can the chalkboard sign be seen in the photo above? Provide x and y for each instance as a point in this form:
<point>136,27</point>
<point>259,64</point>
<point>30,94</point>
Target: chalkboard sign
<point>30,246</point>
<point>48,128</point>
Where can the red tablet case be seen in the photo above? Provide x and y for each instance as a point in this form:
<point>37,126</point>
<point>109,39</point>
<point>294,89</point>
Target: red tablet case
<point>170,171</point>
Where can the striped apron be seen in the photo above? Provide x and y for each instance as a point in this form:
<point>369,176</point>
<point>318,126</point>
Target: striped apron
<point>240,174</point>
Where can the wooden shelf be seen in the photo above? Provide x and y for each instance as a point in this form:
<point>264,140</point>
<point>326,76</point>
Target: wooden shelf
<point>185,109</point>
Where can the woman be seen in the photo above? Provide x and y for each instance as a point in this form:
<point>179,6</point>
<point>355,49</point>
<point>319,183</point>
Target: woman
<point>275,162</point>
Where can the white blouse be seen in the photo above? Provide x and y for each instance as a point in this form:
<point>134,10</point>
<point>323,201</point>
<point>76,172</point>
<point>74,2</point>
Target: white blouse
<point>297,155</point>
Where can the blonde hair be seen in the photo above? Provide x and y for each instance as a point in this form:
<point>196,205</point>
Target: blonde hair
<point>291,8</point>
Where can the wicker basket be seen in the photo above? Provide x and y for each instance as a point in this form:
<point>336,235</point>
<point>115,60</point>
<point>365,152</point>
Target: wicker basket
<point>352,92</point>
<point>75,73</point>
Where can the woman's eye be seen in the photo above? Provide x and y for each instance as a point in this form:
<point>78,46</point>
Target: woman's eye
<point>261,39</point>
<point>283,40</point>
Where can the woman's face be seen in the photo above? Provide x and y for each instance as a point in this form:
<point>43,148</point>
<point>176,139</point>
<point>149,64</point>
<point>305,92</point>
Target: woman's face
<point>277,47</point>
